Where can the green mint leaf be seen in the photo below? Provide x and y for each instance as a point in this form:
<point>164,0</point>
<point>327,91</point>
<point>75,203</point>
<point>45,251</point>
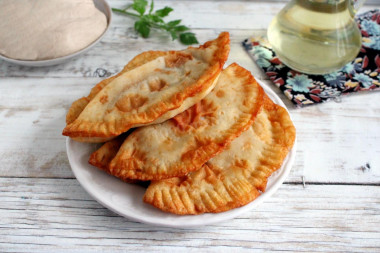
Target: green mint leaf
<point>128,7</point>
<point>155,18</point>
<point>174,35</point>
<point>174,23</point>
<point>188,38</point>
<point>143,28</point>
<point>181,28</point>
<point>140,6</point>
<point>151,7</point>
<point>163,12</point>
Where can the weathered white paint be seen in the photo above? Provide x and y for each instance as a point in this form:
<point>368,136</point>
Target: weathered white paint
<point>335,139</point>
<point>43,208</point>
<point>207,18</point>
<point>57,214</point>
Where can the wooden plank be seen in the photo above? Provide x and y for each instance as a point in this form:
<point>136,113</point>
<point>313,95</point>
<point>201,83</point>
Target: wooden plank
<point>45,215</point>
<point>117,48</point>
<point>337,144</point>
<point>216,14</point>
<point>121,43</point>
<point>227,14</point>
<point>31,121</point>
<point>368,2</point>
<point>335,140</point>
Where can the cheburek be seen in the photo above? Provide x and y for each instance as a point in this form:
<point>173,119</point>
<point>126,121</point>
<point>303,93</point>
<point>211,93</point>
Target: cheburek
<point>234,177</point>
<point>150,93</point>
<point>186,142</point>
<point>78,106</point>
<point>102,157</point>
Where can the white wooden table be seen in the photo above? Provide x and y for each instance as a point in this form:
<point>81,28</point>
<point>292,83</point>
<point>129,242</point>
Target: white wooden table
<point>329,202</point>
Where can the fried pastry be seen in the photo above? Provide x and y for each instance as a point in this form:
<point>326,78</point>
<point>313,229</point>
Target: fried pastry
<point>150,93</point>
<point>234,177</point>
<point>78,105</point>
<point>102,157</point>
<point>190,139</point>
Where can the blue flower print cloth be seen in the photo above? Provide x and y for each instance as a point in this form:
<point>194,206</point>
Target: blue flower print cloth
<point>362,74</point>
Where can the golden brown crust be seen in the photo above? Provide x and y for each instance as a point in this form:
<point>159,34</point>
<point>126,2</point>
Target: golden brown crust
<point>172,149</point>
<point>203,191</point>
<point>83,128</point>
<point>78,105</point>
<point>102,157</point>
<point>236,176</point>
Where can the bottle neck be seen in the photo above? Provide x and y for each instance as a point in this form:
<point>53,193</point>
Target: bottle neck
<point>326,6</point>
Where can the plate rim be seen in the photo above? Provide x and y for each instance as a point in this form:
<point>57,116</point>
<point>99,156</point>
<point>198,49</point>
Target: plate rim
<point>197,221</point>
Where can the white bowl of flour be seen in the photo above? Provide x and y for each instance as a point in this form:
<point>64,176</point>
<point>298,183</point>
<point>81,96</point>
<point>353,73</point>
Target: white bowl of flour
<point>43,33</point>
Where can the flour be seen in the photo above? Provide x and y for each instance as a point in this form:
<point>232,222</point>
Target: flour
<point>47,29</point>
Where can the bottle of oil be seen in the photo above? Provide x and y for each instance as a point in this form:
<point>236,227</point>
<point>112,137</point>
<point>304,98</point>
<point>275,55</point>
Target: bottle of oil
<point>315,36</point>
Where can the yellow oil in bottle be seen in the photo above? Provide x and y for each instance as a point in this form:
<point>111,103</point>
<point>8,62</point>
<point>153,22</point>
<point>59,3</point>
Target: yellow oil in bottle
<point>313,37</point>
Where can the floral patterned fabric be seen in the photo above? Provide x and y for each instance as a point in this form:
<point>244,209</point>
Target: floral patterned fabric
<point>362,74</point>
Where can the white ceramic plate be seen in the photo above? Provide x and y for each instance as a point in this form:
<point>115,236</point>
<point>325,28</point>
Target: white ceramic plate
<point>103,6</point>
<point>126,199</point>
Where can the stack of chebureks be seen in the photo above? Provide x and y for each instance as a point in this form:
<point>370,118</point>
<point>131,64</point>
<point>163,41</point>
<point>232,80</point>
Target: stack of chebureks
<point>206,138</point>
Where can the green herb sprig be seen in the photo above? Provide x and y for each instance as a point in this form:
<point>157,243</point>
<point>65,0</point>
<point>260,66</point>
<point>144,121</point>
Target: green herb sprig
<point>151,19</point>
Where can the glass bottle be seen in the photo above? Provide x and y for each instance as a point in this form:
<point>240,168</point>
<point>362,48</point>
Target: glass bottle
<point>316,36</point>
